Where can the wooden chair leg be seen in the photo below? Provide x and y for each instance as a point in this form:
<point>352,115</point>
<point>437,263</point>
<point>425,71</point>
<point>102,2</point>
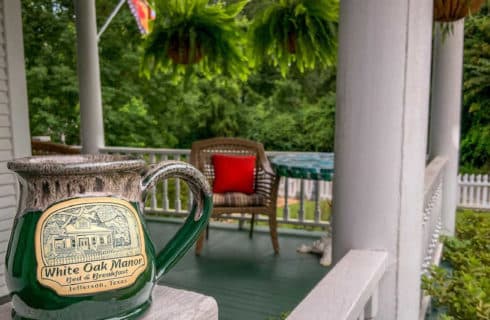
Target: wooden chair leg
<point>273,232</point>
<point>200,243</point>
<point>207,231</point>
<point>252,222</point>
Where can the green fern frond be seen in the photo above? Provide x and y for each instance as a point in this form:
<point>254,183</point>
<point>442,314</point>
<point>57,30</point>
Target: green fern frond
<point>195,37</point>
<point>301,32</point>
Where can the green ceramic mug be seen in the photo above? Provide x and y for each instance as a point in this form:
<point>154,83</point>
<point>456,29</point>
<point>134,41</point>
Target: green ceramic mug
<point>79,247</point>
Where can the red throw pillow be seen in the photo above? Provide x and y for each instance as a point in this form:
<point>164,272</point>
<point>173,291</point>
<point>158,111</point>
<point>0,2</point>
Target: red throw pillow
<point>233,173</point>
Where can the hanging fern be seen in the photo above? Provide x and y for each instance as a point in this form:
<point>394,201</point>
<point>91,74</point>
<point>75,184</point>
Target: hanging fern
<point>193,36</point>
<point>303,32</point>
<point>448,11</point>
<point>452,10</point>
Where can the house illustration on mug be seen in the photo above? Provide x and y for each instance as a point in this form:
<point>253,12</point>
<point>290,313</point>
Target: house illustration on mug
<point>80,232</point>
<point>82,235</point>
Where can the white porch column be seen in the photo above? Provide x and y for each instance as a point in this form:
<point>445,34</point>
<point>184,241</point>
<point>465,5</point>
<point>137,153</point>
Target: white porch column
<point>91,121</point>
<point>383,81</point>
<point>446,114</point>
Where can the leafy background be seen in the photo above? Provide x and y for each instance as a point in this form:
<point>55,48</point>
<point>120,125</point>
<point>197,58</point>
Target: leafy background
<point>295,112</point>
<point>475,144</point>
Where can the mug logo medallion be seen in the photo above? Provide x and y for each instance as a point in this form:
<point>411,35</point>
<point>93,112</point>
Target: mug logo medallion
<point>89,245</point>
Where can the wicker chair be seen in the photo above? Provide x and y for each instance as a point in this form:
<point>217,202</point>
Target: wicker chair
<point>263,201</point>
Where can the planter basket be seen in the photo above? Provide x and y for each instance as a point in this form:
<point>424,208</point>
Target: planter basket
<point>197,36</point>
<point>292,40</point>
<point>179,50</point>
<point>452,10</point>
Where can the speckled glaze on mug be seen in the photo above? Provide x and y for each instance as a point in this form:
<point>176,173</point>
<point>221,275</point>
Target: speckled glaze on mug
<point>79,248</point>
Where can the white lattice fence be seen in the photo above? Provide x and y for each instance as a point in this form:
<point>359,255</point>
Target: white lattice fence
<point>474,191</point>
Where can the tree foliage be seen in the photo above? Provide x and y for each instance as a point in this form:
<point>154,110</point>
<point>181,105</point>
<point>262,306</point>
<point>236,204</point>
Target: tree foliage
<point>295,112</point>
<point>475,143</point>
<point>50,58</point>
<point>158,112</point>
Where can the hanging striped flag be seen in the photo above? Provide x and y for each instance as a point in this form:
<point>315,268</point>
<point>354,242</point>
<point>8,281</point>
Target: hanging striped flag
<point>143,13</point>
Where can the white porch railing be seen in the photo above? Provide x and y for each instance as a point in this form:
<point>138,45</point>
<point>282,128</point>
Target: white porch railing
<point>474,191</point>
<point>172,198</point>
<point>308,188</point>
<point>348,292</point>
<point>166,197</point>
<point>432,223</point>
<point>301,190</point>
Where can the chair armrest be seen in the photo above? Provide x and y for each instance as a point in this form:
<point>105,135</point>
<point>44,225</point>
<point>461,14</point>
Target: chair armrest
<point>267,185</point>
<point>267,167</point>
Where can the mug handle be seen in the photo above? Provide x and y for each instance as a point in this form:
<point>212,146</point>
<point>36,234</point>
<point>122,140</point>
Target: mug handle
<point>197,219</point>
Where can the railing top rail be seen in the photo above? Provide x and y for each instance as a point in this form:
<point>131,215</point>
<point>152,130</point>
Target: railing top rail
<point>343,293</point>
<point>273,153</point>
<point>146,150</point>
<point>475,180</point>
<point>169,151</point>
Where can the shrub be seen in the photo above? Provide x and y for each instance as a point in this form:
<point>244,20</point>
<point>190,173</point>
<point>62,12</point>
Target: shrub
<point>463,289</point>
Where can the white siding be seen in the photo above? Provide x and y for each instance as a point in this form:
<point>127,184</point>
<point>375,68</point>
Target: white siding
<point>14,129</point>
<point>7,201</point>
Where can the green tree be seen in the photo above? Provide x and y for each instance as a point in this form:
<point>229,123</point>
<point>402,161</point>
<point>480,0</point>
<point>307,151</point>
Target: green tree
<point>475,144</point>
<point>131,103</point>
<point>286,114</point>
<point>292,119</point>
<point>49,37</point>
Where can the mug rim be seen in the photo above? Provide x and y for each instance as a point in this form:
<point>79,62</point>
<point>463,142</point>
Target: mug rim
<point>75,164</point>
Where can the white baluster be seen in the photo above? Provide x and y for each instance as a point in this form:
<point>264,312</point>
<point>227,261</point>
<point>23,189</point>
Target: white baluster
<point>189,191</point>
<point>178,202</point>
<point>153,191</point>
<point>301,210</point>
<point>165,202</point>
<point>286,194</point>
<point>318,213</point>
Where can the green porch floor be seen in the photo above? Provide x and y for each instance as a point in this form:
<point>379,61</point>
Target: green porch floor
<point>244,276</point>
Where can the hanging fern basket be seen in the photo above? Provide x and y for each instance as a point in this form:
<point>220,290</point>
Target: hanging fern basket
<point>292,42</point>
<point>294,32</point>
<point>196,37</point>
<point>452,10</point>
<point>181,50</point>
